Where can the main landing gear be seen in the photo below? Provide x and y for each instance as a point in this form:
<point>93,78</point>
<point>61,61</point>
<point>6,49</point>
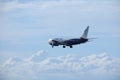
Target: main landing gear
<point>64,46</point>
<point>69,46</point>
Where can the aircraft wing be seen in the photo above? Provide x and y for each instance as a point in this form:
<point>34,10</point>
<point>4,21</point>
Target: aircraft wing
<point>61,41</point>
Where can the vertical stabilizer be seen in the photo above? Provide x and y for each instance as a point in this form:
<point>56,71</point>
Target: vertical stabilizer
<point>85,33</point>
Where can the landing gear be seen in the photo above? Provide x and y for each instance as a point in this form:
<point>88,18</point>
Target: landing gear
<point>71,46</point>
<point>52,46</point>
<point>64,46</point>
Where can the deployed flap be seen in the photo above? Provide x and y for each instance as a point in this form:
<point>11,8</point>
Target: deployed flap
<point>85,33</point>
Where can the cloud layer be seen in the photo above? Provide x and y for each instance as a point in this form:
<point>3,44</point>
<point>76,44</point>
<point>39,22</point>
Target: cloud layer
<point>69,66</point>
<point>49,16</point>
<point>53,4</point>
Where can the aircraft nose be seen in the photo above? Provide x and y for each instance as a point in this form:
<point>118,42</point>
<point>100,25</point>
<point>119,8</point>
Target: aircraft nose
<point>50,41</point>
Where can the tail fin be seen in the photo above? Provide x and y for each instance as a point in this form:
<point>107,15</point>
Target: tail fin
<point>85,33</point>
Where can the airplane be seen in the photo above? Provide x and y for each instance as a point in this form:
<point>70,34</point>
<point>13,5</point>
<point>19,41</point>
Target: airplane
<point>70,42</point>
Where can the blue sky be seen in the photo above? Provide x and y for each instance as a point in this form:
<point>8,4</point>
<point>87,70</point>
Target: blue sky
<point>26,26</point>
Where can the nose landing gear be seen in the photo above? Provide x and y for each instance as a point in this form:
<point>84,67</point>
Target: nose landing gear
<point>52,46</point>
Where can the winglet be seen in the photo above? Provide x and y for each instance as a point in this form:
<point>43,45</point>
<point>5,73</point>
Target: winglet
<point>85,33</point>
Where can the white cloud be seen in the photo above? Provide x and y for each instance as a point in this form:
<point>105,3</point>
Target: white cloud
<point>39,6</point>
<point>12,5</point>
<point>40,64</point>
<point>50,14</point>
